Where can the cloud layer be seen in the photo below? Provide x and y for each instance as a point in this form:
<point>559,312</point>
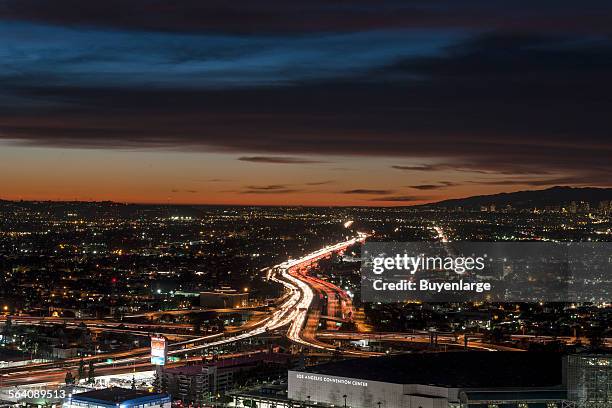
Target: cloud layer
<point>514,95</point>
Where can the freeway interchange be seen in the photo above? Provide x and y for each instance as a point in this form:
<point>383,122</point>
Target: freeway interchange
<point>292,312</point>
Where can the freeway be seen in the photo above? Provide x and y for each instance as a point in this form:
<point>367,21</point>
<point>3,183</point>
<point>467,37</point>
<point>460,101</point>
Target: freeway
<point>305,322</point>
<point>291,312</point>
<point>303,329</point>
<point>441,236</point>
<point>172,331</point>
<point>475,340</point>
<point>57,377</point>
<point>293,279</point>
<point>417,337</point>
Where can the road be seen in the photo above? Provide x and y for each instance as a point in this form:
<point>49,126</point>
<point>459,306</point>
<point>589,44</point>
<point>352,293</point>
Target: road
<point>440,234</point>
<point>56,377</point>
<point>138,328</point>
<point>305,323</point>
<point>417,337</point>
<point>291,312</point>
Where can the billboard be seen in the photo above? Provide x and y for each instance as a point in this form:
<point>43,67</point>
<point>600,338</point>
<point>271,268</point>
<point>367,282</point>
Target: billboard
<point>159,350</point>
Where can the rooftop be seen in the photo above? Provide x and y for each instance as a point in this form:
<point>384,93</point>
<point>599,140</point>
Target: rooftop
<point>454,369</point>
<point>114,395</point>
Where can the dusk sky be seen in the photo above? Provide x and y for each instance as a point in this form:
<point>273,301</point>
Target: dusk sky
<point>302,102</point>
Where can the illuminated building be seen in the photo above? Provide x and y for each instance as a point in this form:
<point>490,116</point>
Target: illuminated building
<point>116,397</point>
<point>440,380</point>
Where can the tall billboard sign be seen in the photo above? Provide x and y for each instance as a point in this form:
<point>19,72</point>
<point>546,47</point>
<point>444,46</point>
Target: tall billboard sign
<point>159,350</point>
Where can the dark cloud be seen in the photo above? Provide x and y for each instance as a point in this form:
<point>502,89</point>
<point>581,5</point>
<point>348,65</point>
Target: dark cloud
<point>176,190</point>
<point>473,167</point>
<point>319,183</point>
<point>427,187</point>
<point>285,191</point>
<point>402,198</point>
<point>240,16</point>
<point>599,179</point>
<point>269,189</point>
<point>299,16</point>
<point>492,104</point>
<point>464,167</point>
<point>278,160</point>
<point>424,167</point>
<point>440,185</point>
<point>367,191</point>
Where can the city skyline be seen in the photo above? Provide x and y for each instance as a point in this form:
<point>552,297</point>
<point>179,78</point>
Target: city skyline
<point>308,103</point>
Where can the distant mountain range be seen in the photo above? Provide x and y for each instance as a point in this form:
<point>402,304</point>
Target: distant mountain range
<point>554,196</point>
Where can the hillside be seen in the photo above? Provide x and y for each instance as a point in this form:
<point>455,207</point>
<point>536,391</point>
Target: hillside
<point>554,196</point>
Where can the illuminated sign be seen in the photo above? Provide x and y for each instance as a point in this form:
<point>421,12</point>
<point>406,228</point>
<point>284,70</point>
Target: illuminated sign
<point>159,350</point>
<point>333,380</point>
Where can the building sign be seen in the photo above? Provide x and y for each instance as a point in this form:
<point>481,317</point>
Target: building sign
<point>159,350</point>
<point>332,380</point>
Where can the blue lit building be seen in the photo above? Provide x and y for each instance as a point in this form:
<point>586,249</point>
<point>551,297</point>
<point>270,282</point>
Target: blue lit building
<point>116,397</point>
